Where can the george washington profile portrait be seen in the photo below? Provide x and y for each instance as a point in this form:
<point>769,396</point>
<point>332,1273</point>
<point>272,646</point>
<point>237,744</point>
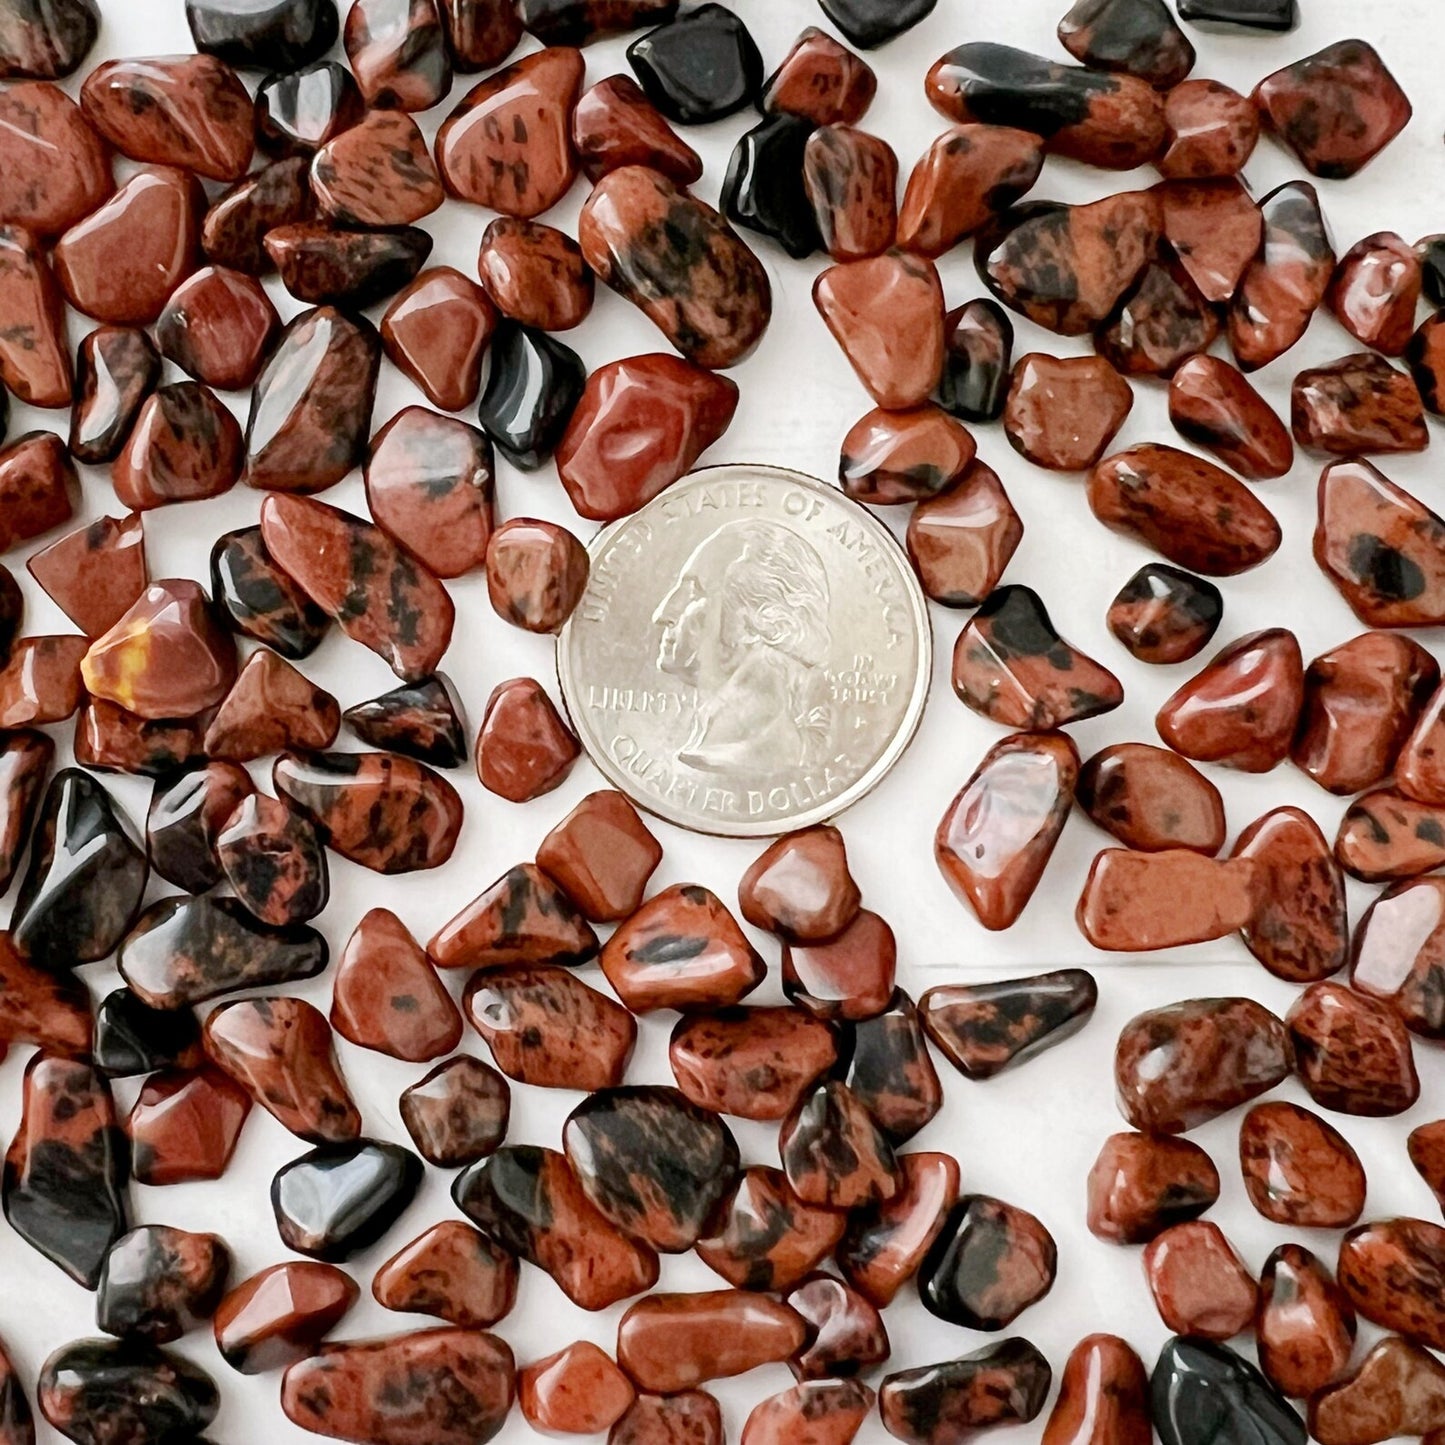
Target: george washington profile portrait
<point>746,626</point>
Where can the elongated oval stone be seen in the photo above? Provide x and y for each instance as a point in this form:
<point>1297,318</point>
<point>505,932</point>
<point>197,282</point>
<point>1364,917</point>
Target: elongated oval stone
<point>340,1199</point>
<point>1385,836</point>
<point>124,1390</point>
<point>279,1315</point>
<point>1002,1384</point>
<point>677,260</point>
<point>1306,1326</point>
<point>34,357</point>
<point>1202,1391</point>
<point>1151,799</point>
<point>1142,1184</point>
<point>763,1237</point>
<point>1212,404</point>
<point>1299,1170</point>
<point>1135,902</point>
<point>1352,1052</point>
<point>1390,1269</point>
<point>1103,1397</point>
<point>830,1412</point>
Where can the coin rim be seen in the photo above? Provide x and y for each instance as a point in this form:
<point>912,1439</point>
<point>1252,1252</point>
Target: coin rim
<point>882,765</point>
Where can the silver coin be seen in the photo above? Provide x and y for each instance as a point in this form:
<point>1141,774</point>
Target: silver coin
<point>751,655</point>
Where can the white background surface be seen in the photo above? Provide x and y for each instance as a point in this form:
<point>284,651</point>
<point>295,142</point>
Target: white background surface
<point>1028,1136</point>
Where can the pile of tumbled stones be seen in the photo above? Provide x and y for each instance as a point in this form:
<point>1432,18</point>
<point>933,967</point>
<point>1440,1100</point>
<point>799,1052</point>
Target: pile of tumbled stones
<point>169,269</point>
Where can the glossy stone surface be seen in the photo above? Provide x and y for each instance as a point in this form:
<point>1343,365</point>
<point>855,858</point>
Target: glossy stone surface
<point>125,1390</point>
<point>480,33</point>
<point>1151,799</point>
<point>1062,413</point>
<point>110,739</point>
<point>1112,121</point>
<point>47,40</point>
<point>524,749</point>
<point>1298,1169</point>
<point>1133,37</point>
<point>159,1283</point>
<point>1425,357</point>
<point>851,179</point>
<point>121,263</point>
<point>43,125</point>
<point>17,1425</point>
<point>800,886</point>
<point>340,1199</point>
<point>65,1170</point>
<point>452,1272</point>
<point>1389,1269</point>
<point>983,1029</point>
<point>1002,1384</point>
<point>1306,1326</point>
<point>1352,1053</point>
<point>34,358</point>
<point>95,573</point>
<point>576,1391</point>
<point>1398,1389</point>
<point>534,384</point>
<point>1203,1391</point>
<point>263,34</point>
<point>184,1127</point>
<point>311,406</point>
<point>671,1342</point>
<point>1136,902</point>
<point>1214,227</point>
<point>997,836</point>
<point>870,307</point>
<point>615,125</point>
<point>324,266</point>
<point>1241,15</point>
<point>904,456</point>
<point>820,80</point>
<point>763,1237</point>
<point>1384,836</point>
<point>377,172</point>
<point>692,1417</point>
<point>699,67</point>
<point>37,484</point>
<point>884,1243</point>
<point>846,1334</point>
<point>1143,1184</point>
<point>763,190</point>
<point>601,855</point>
<point>1396,954</point>
<point>236,226</point>
<point>677,260</point>
<point>849,977</point>
<point>1190,511</point>
<point>887,1067</point>
<point>458,1113</point>
<point>1010,665</point>
<point>116,369</point>
<point>270,708</point>
<point>185,446</point>
<point>398,53</point>
<point>25,759</point>
<point>529,1201</point>
<point>961,541</point>
<point>1211,131</point>
<point>1180,1066</point>
<point>133,1038</point>
<point>1161,322</point>
<point>1103,1397</point>
<point>1357,404</point>
<point>42,683</point>
<point>262,601</point>
<point>578,22</point>
<point>273,861</point>
<point>754,1063</point>
<point>449,1386</point>
<point>822,1412</point>
<point>834,1154</point>
<point>547,1028</point>
<point>1200,1285</point>
<point>968,175</point>
<point>184,951</point>
<point>977,347</point>
<point>1287,279</point>
<point>989,1263</point>
<point>535,274</point>
<point>507,145</point>
<point>652,1162</point>
<point>1375,292</point>
<point>436,332</point>
<point>422,720</point>
<point>302,108</point>
<point>1213,405</point>
<point>522,918</point>
<point>279,1316</point>
<point>536,573</point>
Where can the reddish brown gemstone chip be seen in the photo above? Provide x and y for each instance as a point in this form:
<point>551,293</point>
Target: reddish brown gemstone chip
<point>1142,1184</point>
<point>961,541</point>
<point>280,1315</point>
<point>398,53</point>
<point>903,456</point>
<point>34,356</point>
<point>823,1412</point>
<point>847,977</point>
<point>615,125</point>
<point>834,1154</point>
<point>117,368</point>
<point>1134,902</point>
<point>1375,291</point>
<point>36,1005</point>
<point>42,682</point>
<point>1298,1169</point>
<point>1151,799</point>
<point>1390,1270</point>
<point>1306,1326</point>
<point>436,332</point>
<point>536,573</point>
<point>821,80</point>
<point>692,1417</point>
<point>522,918</point>
<point>1160,323</point>
<point>1384,836</point>
<point>1163,615</point>
<point>1103,1397</point>
<point>1352,1052</point>
<point>1200,1285</point>
<point>186,446</point>
<point>271,707</point>
<point>846,1334</point>
<point>851,180</point>
<point>235,227</point>
<point>1214,228</point>
<point>458,1113</point>
<point>1212,404</point>
<point>576,1391</point>
<point>184,1127</point>
<point>273,861</point>
<point>186,815</point>
<point>1399,1389</point>
<point>1062,413</point>
<point>885,1242</point>
<point>40,122</point>
<point>1357,404</point>
<point>765,1237</point>
<point>1211,131</point>
<point>524,749</point>
<point>1397,953</point>
<point>38,483</point>
<point>535,274</point>
<point>377,172</point>
<point>452,1272</point>
<point>800,887</point>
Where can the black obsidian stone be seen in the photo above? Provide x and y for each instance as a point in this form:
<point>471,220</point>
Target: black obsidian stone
<point>299,111</point>
<point>12,609</point>
<point>1203,1393</point>
<point>579,22</point>
<point>700,67</point>
<point>870,23</point>
<point>264,34</point>
<point>45,39</point>
<point>884,1061</point>
<point>132,1038</point>
<point>988,1264</point>
<point>160,1283</point>
<point>421,720</point>
<point>260,600</point>
<point>977,361</point>
<point>85,880</point>
<point>323,266</point>
<point>116,369</point>
<point>342,1198</point>
<point>764,186</point>
<point>106,1392</point>
<point>533,386</point>
<point>1278,15</point>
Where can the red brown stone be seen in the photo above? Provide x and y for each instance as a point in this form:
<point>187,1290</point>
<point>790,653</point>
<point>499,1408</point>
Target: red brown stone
<point>961,541</point>
<point>189,111</point>
<point>377,172</point>
<point>123,261</point>
<point>387,997</point>
<point>1180,1066</point>
<point>117,368</point>
<point>236,226</point>
<point>436,332</point>
<point>615,125</point>
<point>40,122</point>
<point>1128,39</point>
<point>42,682</point>
<point>1103,1397</point>
<point>34,354</point>
<point>846,1334</point>
<point>1135,902</point>
<point>218,327</point>
<point>601,855</point>
<point>524,749</point>
<point>682,949</point>
<point>160,1283</point>
<point>1185,508</point>
<point>1201,1287</point>
<point>546,1027</point>
<point>25,759</point>
<point>800,887</point>
<point>1390,1269</point>
<point>535,274</point>
<point>17,1424</point>
<point>1306,1326</point>
<point>186,446</point>
<point>301,108</point>
<point>1285,282</point>
<point>820,80</point>
<point>186,816</point>
<point>1062,412</point>
<point>576,1391</point>
<point>1336,109</point>
<point>1357,404</point>
<point>847,977</point>
<point>270,708</point>
<point>507,144</point>
<point>885,1243</point>
<point>280,1315</point>
<point>38,485</point>
<point>1241,709</point>
<point>834,1154</point>
<point>1426,1147</point>
<point>1212,404</point>
<point>1420,763</point>
<point>1214,228</point>
<point>96,573</point>
<point>904,456</point>
<point>764,1237</point>
<point>480,33</point>
<point>1151,799</point>
<point>280,1051</point>
<point>523,918</point>
<point>110,739</point>
<point>458,1113</point>
<point>273,861</point>
<point>1376,290</point>
<point>536,573</point>
<point>38,1006</point>
<point>1299,1170</point>
<point>388,813</point>
<point>1160,323</point>
<point>851,181</point>
<point>690,1418</point>
<point>398,52</point>
<point>753,1063</point>
<point>184,1126</point>
<point>1384,836</point>
<point>889,1069</point>
<point>887,315</point>
<point>1399,953</point>
<point>817,1412</point>
<point>1352,1052</point>
<point>452,1272</point>
<point>1002,1384</point>
<point>1142,1184</point>
<point>1210,130</point>
<point>997,836</point>
<point>672,1342</point>
<point>1399,1389</point>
